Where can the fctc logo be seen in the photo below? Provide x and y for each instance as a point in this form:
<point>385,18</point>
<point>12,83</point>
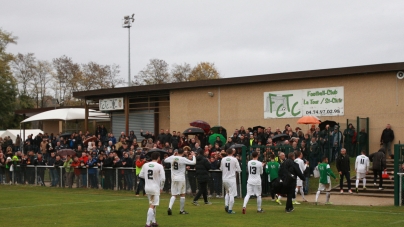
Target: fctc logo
<point>280,104</point>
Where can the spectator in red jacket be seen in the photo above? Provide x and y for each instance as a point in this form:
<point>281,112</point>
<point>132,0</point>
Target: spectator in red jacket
<point>76,165</point>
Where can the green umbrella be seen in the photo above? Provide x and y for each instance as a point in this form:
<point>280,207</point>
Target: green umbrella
<point>212,138</point>
<point>215,129</point>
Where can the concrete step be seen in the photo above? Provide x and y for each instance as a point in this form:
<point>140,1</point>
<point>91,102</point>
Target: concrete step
<point>370,180</point>
<point>370,187</point>
<point>364,194</point>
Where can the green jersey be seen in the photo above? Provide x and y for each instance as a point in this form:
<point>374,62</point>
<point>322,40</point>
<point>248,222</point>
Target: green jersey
<point>325,173</point>
<point>272,170</point>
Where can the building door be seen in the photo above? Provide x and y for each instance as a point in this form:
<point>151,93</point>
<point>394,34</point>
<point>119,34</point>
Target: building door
<point>358,136</point>
<point>137,120</point>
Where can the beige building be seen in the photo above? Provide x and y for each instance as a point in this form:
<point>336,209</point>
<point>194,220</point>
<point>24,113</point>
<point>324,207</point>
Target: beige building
<point>375,92</point>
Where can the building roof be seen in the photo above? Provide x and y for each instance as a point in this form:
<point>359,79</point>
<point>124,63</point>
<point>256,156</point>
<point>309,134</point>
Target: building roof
<point>320,73</point>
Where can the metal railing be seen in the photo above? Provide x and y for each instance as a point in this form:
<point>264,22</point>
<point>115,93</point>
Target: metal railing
<point>401,192</point>
<point>398,161</point>
<point>39,178</point>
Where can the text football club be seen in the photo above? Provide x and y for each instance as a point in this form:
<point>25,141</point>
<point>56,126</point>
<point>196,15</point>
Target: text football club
<point>297,103</point>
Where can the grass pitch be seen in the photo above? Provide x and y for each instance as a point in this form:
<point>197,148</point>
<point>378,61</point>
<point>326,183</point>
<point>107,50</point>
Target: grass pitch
<point>38,206</point>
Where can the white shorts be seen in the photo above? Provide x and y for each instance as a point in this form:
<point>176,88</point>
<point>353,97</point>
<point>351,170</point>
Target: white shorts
<point>177,187</point>
<point>154,199</point>
<point>299,182</point>
<point>326,187</point>
<point>230,188</point>
<point>254,189</point>
<point>360,175</point>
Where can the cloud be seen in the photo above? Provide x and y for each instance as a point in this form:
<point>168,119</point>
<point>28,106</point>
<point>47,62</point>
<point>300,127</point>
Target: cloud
<point>241,37</point>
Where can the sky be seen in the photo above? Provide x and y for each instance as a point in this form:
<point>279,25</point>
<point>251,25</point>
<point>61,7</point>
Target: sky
<point>242,38</point>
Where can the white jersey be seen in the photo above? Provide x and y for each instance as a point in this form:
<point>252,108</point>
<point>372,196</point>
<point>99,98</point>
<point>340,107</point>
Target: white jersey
<point>254,172</point>
<point>154,176</point>
<point>229,167</point>
<point>301,164</point>
<point>362,164</point>
<point>178,166</point>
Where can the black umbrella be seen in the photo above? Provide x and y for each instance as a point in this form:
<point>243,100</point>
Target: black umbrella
<point>161,151</point>
<point>279,137</point>
<point>66,134</point>
<point>255,128</point>
<point>237,145</point>
<point>330,123</point>
<point>193,131</point>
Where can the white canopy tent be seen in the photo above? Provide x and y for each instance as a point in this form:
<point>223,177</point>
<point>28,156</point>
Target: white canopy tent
<point>14,132</point>
<point>67,114</point>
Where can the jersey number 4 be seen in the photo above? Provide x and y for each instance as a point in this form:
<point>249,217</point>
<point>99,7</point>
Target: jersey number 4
<point>150,174</point>
<point>253,170</point>
<point>227,166</point>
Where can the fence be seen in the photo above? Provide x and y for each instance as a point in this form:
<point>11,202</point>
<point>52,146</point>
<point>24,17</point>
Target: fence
<point>398,177</point>
<point>42,175</point>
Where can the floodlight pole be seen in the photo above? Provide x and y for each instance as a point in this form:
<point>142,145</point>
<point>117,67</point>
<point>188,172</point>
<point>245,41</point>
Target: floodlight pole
<point>127,23</point>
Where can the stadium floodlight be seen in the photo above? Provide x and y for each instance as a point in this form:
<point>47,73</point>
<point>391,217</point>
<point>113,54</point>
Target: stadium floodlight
<point>127,23</point>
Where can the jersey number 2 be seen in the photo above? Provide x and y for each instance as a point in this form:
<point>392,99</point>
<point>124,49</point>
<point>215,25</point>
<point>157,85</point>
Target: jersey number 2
<point>150,174</point>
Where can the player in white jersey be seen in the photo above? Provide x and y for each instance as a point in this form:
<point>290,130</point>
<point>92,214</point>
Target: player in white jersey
<point>178,166</point>
<point>229,167</point>
<point>299,183</point>
<point>361,168</point>
<point>255,169</point>
<point>154,176</point>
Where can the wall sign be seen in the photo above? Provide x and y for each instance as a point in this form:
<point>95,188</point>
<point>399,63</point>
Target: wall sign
<point>111,104</point>
<point>297,103</point>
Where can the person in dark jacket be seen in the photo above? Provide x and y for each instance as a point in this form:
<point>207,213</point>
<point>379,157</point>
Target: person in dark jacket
<point>379,164</point>
<point>57,164</point>
<point>202,168</point>
<point>288,172</point>
<point>386,138</point>
<point>40,161</point>
<point>128,163</point>
<point>109,173</point>
<point>344,168</point>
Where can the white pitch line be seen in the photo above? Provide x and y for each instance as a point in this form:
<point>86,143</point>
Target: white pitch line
<point>358,211</point>
<point>397,222</point>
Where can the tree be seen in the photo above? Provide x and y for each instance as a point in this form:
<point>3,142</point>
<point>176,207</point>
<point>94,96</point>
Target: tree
<point>156,72</point>
<point>24,71</point>
<point>43,73</point>
<point>204,71</point>
<point>8,85</point>
<point>68,75</point>
<point>93,76</point>
<point>181,73</point>
<point>112,78</point>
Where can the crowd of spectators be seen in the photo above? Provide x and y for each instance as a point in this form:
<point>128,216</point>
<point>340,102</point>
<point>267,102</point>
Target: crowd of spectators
<point>107,153</point>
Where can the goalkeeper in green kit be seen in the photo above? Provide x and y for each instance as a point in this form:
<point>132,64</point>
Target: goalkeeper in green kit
<point>325,181</point>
